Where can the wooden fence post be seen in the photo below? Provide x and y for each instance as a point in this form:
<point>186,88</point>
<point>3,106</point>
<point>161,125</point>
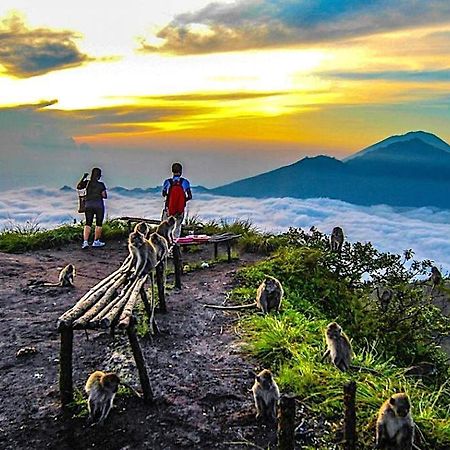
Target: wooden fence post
<point>65,366</point>
<point>286,423</point>
<point>140,362</point>
<point>350,416</point>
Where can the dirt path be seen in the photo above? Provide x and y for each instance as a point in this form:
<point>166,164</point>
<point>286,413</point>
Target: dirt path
<point>200,380</point>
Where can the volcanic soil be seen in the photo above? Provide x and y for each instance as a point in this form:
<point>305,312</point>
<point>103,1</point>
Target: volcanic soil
<point>198,373</point>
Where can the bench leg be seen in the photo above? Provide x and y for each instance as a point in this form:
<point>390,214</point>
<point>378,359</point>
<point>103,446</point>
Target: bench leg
<point>140,363</point>
<point>229,251</point>
<point>216,250</point>
<point>65,366</point>
<point>161,288</point>
<point>177,264</point>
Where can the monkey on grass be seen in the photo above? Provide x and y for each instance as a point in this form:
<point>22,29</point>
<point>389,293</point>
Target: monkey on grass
<point>268,297</point>
<point>395,426</point>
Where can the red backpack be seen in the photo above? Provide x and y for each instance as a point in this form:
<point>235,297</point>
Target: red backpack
<point>176,198</point>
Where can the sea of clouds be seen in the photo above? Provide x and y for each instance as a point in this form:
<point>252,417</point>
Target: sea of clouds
<point>425,230</point>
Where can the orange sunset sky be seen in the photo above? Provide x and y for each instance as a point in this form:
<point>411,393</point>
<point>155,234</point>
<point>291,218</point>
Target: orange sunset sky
<point>231,88</point>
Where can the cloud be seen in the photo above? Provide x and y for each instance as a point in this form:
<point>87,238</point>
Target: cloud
<point>27,52</point>
<point>395,75</point>
<point>250,24</point>
<point>425,230</point>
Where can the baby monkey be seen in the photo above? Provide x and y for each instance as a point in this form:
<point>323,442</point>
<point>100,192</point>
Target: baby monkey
<point>165,229</point>
<point>339,348</point>
<point>337,239</point>
<point>142,228</point>
<point>101,388</point>
<point>395,426</point>
<point>266,395</point>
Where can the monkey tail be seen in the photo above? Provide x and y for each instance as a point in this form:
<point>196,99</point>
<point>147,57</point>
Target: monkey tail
<point>250,305</point>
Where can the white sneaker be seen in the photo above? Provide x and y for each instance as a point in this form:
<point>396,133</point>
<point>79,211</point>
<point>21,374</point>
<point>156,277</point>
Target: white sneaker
<point>98,244</point>
<point>85,244</point>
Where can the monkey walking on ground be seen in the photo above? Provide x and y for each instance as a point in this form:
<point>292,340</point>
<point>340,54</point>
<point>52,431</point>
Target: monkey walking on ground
<point>65,278</point>
<point>339,348</point>
<point>268,297</point>
<point>266,395</point>
<point>165,229</point>
<point>101,388</point>
<point>337,239</point>
<point>395,426</point>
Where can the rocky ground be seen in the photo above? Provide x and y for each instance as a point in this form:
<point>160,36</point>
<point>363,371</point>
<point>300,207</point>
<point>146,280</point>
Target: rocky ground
<point>199,376</point>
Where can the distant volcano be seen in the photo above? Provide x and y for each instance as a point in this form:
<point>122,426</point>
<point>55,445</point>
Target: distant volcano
<point>407,170</point>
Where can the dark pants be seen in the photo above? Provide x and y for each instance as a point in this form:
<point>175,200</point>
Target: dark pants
<point>98,212</point>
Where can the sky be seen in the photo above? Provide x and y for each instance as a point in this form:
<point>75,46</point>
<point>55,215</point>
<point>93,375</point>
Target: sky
<point>425,230</point>
<point>230,88</point>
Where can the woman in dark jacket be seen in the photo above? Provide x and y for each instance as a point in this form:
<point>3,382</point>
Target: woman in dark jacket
<point>95,193</point>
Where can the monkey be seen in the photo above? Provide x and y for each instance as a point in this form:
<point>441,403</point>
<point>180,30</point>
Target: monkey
<point>142,228</point>
<point>337,239</point>
<point>101,388</point>
<point>395,426</point>
<point>435,278</point>
<point>385,297</point>
<point>268,297</point>
<point>65,278</point>
<point>339,347</point>
<point>266,395</point>
<point>165,229</point>
<point>143,254</point>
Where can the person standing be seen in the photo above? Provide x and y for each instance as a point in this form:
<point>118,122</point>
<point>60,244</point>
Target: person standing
<point>177,192</point>
<point>95,195</point>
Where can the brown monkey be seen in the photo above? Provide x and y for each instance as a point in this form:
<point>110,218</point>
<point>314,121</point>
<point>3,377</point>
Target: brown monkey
<point>65,277</point>
<point>266,395</point>
<point>395,426</point>
<point>268,297</point>
<point>339,348</point>
<point>435,278</point>
<point>143,254</point>
<point>101,388</point>
<point>384,297</point>
<point>165,229</point>
<point>142,228</point>
<point>336,239</point>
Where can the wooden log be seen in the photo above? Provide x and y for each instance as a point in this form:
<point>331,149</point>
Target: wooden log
<point>127,311</point>
<point>350,438</point>
<point>161,288</point>
<point>94,322</point>
<point>140,362</point>
<point>87,300</point>
<point>229,251</point>
<point>104,301</point>
<point>178,265</point>
<point>107,320</point>
<point>65,366</point>
<point>286,423</point>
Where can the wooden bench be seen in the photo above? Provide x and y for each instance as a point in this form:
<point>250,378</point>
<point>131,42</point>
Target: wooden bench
<point>110,305</point>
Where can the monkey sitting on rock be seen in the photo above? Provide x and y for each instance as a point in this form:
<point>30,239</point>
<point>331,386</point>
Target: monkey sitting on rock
<point>266,395</point>
<point>395,426</point>
<point>268,297</point>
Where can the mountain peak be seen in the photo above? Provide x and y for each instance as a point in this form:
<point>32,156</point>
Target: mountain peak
<point>424,136</point>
